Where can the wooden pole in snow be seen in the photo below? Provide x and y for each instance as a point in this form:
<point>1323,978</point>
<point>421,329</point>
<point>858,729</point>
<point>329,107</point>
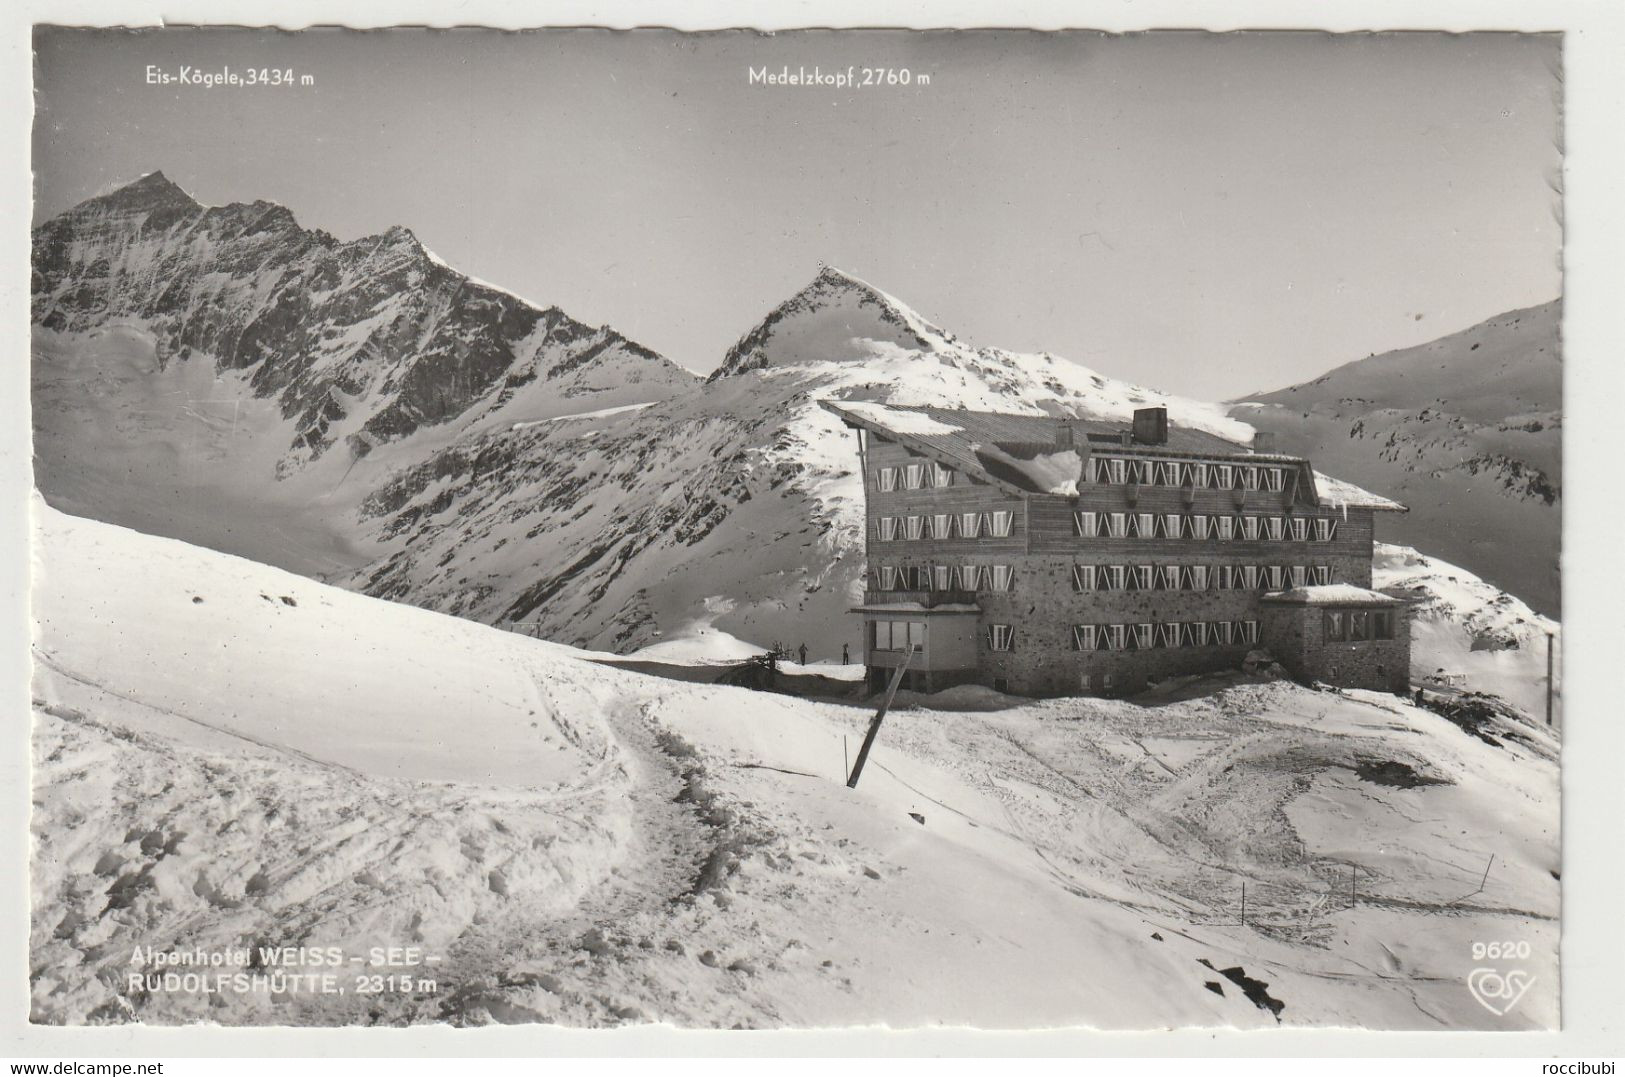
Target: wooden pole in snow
<point>874,726</point>
<point>1244,903</point>
<point>1548,678</point>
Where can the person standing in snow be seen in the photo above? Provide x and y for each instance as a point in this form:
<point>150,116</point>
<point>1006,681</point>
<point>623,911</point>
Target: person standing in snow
<point>803,652</point>
<point>846,656</point>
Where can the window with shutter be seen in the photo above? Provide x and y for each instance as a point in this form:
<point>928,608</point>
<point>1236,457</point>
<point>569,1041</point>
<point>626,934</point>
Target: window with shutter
<point>1249,477</point>
<point>1225,631</point>
<point>1117,636</point>
<point>942,577</point>
<point>1224,476</point>
<point>1117,470</point>
<point>1000,523</point>
<point>1000,577</point>
<point>1117,524</point>
<point>969,577</point>
<point>1336,630</point>
<point>1276,576</point>
<point>1087,524</point>
<point>913,476</point>
<point>970,525</point>
<point>886,479</point>
<point>888,529</point>
<point>1196,577</point>
<point>1168,634</point>
<point>1171,526</point>
<point>1145,636</point>
<point>1249,631</point>
<point>1275,479</point>
<point>1198,527</point>
<point>941,477</point>
<point>1277,527</point>
<point>1300,575</point>
<point>888,577</point>
<point>1083,577</point>
<point>999,637</point>
<point>1249,527</point>
<point>914,527</point>
<point>1249,577</point>
<point>1196,475</point>
<point>1224,527</point>
<point>1323,575</point>
<point>1083,637</point>
<point>1300,529</point>
<point>1116,577</point>
<point>1145,524</point>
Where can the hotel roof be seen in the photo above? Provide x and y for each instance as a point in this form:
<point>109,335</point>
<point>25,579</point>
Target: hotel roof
<point>1022,453</point>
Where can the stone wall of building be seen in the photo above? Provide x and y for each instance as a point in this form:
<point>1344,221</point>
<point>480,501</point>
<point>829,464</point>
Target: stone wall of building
<point>1296,636</point>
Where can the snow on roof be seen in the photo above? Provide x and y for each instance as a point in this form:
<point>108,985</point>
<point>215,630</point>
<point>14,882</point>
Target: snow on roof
<point>1335,493</point>
<point>1332,594</point>
<point>904,422</point>
<point>1050,473</point>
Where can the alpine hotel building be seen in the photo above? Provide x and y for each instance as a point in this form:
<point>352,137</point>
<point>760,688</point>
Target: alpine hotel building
<point>1050,556</point>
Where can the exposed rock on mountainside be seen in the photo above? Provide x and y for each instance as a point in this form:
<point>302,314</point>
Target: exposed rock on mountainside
<point>361,342</point>
<point>1466,430</point>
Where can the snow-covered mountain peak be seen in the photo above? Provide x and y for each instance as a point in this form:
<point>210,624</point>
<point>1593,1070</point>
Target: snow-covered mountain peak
<point>152,191</point>
<point>836,318</point>
<point>358,343</point>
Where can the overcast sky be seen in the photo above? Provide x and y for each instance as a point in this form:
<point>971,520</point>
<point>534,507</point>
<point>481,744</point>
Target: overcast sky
<point>1205,214</point>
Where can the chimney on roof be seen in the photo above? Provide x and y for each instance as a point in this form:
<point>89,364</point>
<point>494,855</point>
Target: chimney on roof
<point>1263,441</point>
<point>1151,426</point>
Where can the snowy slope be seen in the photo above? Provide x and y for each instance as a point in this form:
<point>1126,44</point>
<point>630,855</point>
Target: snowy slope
<point>208,372</point>
<point>737,505</point>
<point>588,846</point>
<point>1466,431</point>
<point>1467,632</point>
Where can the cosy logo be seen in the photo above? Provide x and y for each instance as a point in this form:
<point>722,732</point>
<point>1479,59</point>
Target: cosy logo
<point>1499,993</point>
